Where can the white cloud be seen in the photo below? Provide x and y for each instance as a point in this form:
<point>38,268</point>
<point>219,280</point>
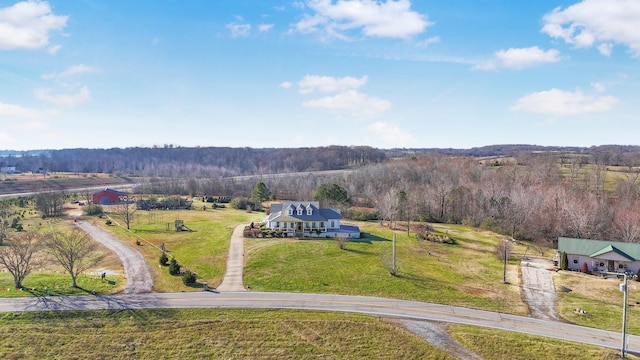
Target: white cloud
<point>52,50</point>
<point>73,70</point>
<point>286,84</point>
<point>265,27</point>
<point>329,84</point>
<point>389,134</point>
<point>597,22</point>
<point>26,25</point>
<point>519,58</point>
<point>560,103</point>
<point>17,111</point>
<point>239,30</point>
<point>428,41</point>
<point>68,100</point>
<point>599,87</point>
<point>375,18</point>
<point>351,100</point>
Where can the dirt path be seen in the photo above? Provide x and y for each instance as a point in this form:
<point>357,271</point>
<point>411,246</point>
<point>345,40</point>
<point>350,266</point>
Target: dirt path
<point>139,279</point>
<point>436,334</point>
<point>538,289</point>
<point>232,280</point>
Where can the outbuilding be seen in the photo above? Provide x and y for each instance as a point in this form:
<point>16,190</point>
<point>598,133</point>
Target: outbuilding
<point>110,197</point>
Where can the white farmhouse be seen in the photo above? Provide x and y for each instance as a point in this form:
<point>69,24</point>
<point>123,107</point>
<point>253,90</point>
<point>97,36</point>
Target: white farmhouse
<point>308,219</point>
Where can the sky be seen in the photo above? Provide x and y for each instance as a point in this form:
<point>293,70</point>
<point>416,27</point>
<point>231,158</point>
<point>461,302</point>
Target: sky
<point>307,73</point>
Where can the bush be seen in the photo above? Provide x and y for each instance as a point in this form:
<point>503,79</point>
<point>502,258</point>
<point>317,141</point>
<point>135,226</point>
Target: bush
<point>174,267</point>
<point>189,278</point>
<point>92,210</point>
<point>585,268</point>
<point>164,259</point>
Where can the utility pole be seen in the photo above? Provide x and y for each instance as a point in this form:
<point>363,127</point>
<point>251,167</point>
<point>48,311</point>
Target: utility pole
<point>504,271</point>
<point>625,290</point>
<point>393,255</point>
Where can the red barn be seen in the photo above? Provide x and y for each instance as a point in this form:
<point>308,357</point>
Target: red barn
<point>110,197</point>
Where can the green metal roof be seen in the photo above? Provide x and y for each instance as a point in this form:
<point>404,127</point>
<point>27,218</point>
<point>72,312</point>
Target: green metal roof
<point>609,249</point>
<point>593,248</point>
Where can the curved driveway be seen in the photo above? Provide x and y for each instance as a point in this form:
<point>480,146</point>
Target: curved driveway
<point>139,279</point>
<point>358,304</point>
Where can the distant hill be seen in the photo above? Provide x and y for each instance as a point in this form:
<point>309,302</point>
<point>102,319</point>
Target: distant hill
<point>227,161</point>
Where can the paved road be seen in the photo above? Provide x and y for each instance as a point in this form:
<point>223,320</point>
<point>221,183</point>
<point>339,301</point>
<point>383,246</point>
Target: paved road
<point>390,308</point>
<point>232,280</point>
<point>139,279</point>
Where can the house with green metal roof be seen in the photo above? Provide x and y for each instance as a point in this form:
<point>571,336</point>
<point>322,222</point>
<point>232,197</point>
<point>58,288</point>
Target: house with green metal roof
<point>601,255</point>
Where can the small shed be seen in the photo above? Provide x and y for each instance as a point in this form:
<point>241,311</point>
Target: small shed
<point>110,197</point>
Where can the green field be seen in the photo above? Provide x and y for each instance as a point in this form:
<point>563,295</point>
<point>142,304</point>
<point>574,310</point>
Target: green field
<point>497,344</point>
<point>203,250</point>
<point>464,274</point>
<point>206,334</point>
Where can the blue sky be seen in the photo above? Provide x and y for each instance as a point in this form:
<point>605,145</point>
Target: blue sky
<point>248,73</point>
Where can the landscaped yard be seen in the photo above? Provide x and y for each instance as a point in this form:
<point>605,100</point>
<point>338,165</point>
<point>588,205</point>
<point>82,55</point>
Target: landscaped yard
<point>203,250</point>
<point>466,273</point>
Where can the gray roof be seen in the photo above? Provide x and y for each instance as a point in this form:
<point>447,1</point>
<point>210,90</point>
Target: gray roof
<point>593,248</point>
<point>317,214</point>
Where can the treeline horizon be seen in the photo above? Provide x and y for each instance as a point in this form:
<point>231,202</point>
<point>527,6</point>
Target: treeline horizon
<point>170,160</point>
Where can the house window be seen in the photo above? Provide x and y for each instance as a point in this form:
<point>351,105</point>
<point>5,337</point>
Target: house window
<point>322,224</point>
<point>313,225</point>
<point>333,224</point>
<point>575,261</point>
<point>299,211</point>
<point>309,211</point>
<point>290,211</point>
<point>601,264</point>
<point>620,266</point>
<point>278,224</point>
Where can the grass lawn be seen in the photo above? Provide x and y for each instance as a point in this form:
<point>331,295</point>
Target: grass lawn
<point>600,298</point>
<point>464,274</point>
<point>207,333</point>
<point>498,344</point>
<point>203,250</point>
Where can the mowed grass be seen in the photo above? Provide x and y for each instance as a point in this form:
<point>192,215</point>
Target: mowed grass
<point>600,298</point>
<point>499,344</point>
<point>203,250</point>
<point>464,274</point>
<point>207,334</point>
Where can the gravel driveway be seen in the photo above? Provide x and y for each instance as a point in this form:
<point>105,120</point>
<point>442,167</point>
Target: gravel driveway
<point>139,278</point>
<point>538,289</point>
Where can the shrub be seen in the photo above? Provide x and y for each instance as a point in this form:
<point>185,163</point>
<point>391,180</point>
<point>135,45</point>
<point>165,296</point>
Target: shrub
<point>174,267</point>
<point>164,259</point>
<point>188,277</point>
<point>564,261</point>
<point>92,210</point>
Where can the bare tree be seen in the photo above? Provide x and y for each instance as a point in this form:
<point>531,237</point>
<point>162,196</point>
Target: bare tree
<point>341,240</point>
<point>49,203</point>
<point>127,213</point>
<point>74,250</point>
<point>4,222</point>
<point>17,256</point>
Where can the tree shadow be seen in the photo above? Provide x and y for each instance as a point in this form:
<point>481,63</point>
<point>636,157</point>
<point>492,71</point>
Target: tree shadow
<point>368,238</point>
<point>355,251</point>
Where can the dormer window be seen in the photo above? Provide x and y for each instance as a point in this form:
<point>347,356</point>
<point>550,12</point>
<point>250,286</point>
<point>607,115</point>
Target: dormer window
<point>309,210</point>
<point>299,211</point>
<point>290,211</point>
